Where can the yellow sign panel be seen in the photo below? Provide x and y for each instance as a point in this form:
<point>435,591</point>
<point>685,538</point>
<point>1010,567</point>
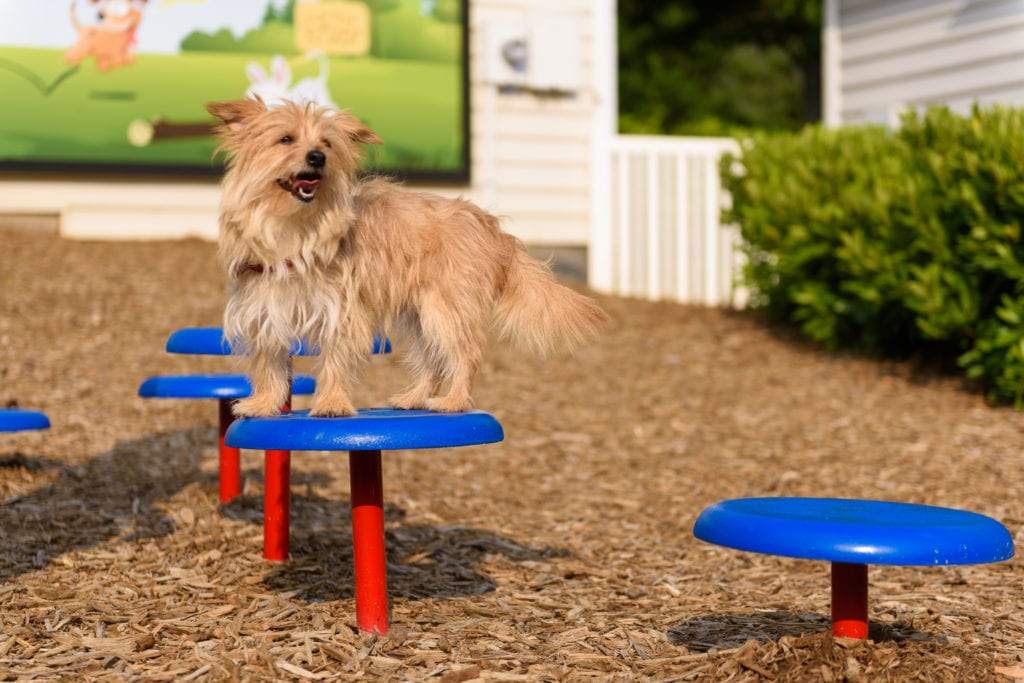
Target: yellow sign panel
<point>335,28</point>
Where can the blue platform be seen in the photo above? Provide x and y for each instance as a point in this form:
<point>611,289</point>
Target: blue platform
<point>210,341</point>
<point>855,531</point>
<point>212,386</point>
<point>375,429</point>
<point>17,420</point>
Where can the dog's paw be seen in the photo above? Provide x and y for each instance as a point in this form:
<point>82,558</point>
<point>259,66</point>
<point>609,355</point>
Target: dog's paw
<point>408,402</point>
<point>448,404</point>
<point>332,408</point>
<point>256,406</point>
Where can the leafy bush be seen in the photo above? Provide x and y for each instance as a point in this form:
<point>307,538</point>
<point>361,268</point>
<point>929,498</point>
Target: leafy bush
<point>893,241</point>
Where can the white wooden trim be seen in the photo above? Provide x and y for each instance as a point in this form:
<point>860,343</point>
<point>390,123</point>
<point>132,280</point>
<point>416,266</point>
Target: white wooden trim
<point>673,144</point>
<point>623,283</point>
<point>711,237</point>
<point>831,69</point>
<point>604,126</point>
<point>653,227</point>
<point>682,228</point>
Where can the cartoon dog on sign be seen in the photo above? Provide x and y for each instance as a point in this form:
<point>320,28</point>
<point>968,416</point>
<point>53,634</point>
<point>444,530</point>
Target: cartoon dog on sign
<point>111,41</point>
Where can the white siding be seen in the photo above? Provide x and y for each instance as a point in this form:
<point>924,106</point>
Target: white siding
<point>897,54</point>
<point>531,155</point>
<point>531,161</point>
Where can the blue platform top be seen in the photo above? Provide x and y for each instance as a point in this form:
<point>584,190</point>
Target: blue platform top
<point>375,429</point>
<point>212,386</point>
<point>855,531</point>
<point>210,341</point>
<point>17,420</point>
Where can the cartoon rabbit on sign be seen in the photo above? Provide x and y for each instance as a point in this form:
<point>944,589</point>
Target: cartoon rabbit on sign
<point>276,88</point>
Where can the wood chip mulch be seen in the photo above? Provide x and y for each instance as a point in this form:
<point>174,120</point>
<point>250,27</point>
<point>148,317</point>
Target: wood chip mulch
<point>563,553</point>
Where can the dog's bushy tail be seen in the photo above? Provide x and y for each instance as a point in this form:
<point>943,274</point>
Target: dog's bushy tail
<point>536,313</point>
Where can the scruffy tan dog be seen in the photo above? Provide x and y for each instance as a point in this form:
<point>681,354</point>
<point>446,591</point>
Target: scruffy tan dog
<point>314,252</point>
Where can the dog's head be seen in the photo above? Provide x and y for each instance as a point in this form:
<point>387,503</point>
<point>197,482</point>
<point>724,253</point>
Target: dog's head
<point>289,157</point>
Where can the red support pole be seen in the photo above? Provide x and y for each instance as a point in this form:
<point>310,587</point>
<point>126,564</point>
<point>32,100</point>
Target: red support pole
<point>276,500</point>
<point>230,476</point>
<point>849,600</point>
<point>277,469</point>
<point>368,541</point>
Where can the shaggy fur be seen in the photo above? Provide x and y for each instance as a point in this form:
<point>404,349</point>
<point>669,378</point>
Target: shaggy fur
<point>364,256</point>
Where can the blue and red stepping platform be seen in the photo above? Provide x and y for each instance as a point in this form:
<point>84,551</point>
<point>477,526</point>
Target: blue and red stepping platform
<point>226,388</point>
<point>852,534</point>
<point>18,420</point>
<point>364,436</point>
<point>210,341</point>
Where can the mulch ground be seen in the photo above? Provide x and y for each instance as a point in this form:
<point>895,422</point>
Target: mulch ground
<point>563,553</point>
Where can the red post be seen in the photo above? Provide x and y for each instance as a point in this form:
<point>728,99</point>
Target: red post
<point>368,541</point>
<point>276,503</point>
<point>277,469</point>
<point>849,600</point>
<point>230,463</point>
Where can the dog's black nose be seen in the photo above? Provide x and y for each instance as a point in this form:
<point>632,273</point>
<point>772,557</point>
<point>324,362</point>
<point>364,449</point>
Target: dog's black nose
<point>316,159</point>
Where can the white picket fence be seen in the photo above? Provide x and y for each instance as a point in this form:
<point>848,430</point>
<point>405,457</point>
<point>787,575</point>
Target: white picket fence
<point>657,232</point>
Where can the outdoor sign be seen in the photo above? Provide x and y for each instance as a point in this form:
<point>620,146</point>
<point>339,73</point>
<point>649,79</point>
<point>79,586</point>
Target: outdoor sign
<point>119,85</point>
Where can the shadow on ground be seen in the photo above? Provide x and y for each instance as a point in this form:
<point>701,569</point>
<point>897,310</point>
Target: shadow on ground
<point>112,496</point>
<point>725,631</point>
<point>424,561</point>
<point>919,366</point>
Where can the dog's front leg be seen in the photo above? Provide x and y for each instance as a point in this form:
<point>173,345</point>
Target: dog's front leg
<point>269,372</point>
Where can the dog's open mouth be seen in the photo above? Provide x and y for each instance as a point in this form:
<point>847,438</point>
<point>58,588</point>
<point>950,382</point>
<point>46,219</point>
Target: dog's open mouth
<point>302,186</point>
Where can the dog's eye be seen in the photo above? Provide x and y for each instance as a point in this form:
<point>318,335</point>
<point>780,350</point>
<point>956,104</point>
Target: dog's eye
<point>327,143</point>
<point>287,140</point>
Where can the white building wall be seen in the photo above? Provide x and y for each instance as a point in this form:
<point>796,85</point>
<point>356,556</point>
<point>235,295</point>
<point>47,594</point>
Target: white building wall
<point>532,154</point>
<point>895,54</point>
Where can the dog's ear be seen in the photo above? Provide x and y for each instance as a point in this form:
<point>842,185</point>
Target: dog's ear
<point>358,131</point>
<point>354,129</point>
<point>361,133</point>
<point>236,114</point>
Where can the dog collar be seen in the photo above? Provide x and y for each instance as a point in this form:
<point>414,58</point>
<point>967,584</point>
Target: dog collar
<point>259,268</point>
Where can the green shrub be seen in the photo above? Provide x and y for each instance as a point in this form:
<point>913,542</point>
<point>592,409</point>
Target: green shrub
<point>893,241</point>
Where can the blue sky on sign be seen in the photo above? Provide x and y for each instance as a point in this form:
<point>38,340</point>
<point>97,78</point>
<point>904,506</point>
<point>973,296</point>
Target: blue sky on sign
<point>47,23</point>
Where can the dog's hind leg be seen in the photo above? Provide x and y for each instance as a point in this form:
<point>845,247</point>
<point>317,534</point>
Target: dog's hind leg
<point>426,376</point>
<point>456,335</point>
<point>340,359</point>
<point>270,377</point>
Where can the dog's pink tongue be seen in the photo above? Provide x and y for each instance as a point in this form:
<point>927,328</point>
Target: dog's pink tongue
<point>306,184</point>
